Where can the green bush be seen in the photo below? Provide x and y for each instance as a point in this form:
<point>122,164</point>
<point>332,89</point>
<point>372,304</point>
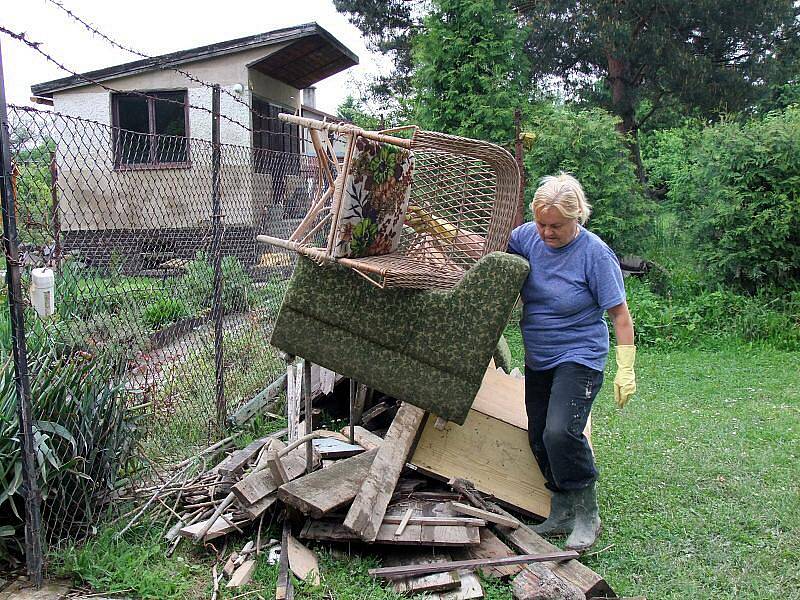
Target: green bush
<point>198,284</point>
<point>164,311</point>
<point>665,153</point>
<point>740,194</point>
<point>586,144</point>
<point>712,319</point>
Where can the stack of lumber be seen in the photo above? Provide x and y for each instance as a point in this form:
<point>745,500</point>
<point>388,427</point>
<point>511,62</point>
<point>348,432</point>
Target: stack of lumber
<point>394,486</point>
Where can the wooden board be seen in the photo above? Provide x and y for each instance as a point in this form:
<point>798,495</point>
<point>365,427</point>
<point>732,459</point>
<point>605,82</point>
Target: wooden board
<point>492,547</point>
<point>434,582</point>
<point>258,485</point>
<point>369,506</point>
<point>426,535</point>
<point>237,460</point>
<point>333,448</point>
<point>241,576</point>
<point>491,449</point>
<point>470,589</point>
<point>573,571</point>
<point>218,529</point>
<point>320,492</point>
<point>466,509</point>
<point>364,437</point>
<point>302,561</point>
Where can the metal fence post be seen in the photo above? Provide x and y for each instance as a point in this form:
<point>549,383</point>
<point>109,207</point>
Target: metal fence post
<point>216,252</point>
<point>33,545</point>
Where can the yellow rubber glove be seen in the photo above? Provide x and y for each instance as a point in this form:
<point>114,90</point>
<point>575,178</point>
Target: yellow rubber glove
<point>625,381</point>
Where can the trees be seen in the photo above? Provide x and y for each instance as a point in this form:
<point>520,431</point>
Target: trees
<point>713,55</point>
<point>470,72</point>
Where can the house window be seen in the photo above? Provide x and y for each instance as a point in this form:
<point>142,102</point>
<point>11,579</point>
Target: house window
<point>151,130</point>
<point>276,145</point>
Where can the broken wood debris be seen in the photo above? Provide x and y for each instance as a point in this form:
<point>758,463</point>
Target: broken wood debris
<point>433,536</point>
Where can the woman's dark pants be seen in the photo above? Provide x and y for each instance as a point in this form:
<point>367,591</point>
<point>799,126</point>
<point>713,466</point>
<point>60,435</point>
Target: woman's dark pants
<point>558,402</point>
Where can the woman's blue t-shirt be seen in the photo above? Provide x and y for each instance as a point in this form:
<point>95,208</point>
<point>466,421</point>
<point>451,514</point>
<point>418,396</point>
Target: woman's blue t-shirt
<point>564,298</point>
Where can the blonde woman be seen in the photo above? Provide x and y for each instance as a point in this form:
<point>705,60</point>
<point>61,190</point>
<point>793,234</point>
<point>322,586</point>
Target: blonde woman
<point>575,278</point>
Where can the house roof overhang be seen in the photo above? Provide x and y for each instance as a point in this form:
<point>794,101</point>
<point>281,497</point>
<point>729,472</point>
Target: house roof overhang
<point>309,54</point>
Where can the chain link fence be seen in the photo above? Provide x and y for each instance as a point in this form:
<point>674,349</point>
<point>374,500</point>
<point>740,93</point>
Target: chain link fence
<point>124,373</point>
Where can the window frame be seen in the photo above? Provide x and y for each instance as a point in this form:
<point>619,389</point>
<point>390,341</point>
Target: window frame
<point>276,141</point>
<point>152,164</point>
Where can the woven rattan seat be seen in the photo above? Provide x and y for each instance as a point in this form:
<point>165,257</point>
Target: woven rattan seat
<point>460,207</point>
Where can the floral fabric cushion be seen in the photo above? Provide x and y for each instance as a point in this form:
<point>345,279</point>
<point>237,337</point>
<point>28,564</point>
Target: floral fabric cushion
<point>374,201</point>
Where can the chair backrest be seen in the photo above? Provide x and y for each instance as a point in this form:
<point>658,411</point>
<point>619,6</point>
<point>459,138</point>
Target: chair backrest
<point>406,212</point>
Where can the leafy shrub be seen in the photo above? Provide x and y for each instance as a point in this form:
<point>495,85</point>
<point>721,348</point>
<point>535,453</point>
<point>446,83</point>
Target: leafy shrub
<point>164,311</point>
<point>586,144</point>
<point>665,153</point>
<point>741,189</point>
<point>198,284</point>
<point>710,319</point>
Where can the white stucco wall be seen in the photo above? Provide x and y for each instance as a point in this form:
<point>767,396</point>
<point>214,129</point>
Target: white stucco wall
<point>96,196</point>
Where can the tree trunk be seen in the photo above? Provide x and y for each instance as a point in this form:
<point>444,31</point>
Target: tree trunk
<point>622,104</point>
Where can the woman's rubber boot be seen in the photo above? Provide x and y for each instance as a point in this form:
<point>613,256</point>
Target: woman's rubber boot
<point>587,520</point>
<point>562,516</point>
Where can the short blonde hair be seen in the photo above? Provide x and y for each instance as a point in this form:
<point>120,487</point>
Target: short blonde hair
<point>563,192</point>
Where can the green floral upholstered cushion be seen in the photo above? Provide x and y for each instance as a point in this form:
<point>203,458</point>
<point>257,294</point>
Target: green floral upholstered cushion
<point>427,347</point>
<point>375,199</point>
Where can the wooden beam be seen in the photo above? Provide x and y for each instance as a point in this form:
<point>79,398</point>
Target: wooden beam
<point>236,462</point>
<point>420,569</point>
<point>364,437</point>
<point>466,509</point>
<point>323,491</point>
<point>259,402</point>
<point>537,582</point>
<point>369,506</point>
<point>258,485</point>
<point>445,536</point>
<point>283,588</point>
<point>403,522</point>
<point>492,547</point>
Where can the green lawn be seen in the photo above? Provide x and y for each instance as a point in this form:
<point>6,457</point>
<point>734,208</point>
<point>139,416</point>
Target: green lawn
<point>699,490</point>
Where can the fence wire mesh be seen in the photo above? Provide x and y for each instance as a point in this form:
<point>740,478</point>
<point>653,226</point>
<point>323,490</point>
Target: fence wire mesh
<point>123,373</point>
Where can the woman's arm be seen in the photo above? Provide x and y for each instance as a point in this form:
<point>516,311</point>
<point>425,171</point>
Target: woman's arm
<point>623,324</point>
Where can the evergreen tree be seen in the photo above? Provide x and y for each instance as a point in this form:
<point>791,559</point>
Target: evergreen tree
<point>470,72</point>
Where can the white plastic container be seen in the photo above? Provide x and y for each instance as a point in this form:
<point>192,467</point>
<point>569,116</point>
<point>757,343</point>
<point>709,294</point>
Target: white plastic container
<point>43,291</point>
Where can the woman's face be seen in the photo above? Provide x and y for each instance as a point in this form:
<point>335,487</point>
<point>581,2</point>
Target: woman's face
<point>555,229</point>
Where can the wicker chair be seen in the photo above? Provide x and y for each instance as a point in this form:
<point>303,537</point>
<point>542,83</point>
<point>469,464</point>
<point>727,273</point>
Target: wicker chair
<point>450,200</point>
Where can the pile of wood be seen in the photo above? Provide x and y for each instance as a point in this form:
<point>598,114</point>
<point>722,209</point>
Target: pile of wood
<point>360,489</point>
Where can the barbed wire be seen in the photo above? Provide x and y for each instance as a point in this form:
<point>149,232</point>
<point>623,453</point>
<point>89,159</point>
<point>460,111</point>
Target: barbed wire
<point>160,62</point>
<point>35,46</point>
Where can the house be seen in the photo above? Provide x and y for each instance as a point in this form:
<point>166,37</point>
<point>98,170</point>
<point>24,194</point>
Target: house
<point>133,169</point>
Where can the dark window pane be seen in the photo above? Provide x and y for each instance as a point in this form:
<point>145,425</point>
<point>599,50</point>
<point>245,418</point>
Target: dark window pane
<point>170,126</point>
<point>133,140</point>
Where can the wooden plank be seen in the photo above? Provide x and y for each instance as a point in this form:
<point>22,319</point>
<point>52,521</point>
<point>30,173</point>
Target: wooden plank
<point>254,510</point>
<point>302,561</point>
<point>423,584</point>
<point>458,521</point>
<point>590,583</point>
<point>259,402</point>
<point>320,492</point>
<point>414,535</point>
<point>403,522</point>
<point>419,569</point>
<point>283,587</point>
<point>219,528</point>
<point>236,462</point>
<point>329,448</point>
<point>492,547</point>
<point>242,575</point>
<point>466,509</point>
<point>470,589</point>
<point>491,449</point>
<point>257,486</point>
<point>369,506</point>
<point>364,437</point>
<point>537,582</point>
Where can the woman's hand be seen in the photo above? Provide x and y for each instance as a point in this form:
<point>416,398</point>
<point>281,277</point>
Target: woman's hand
<point>625,380</point>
